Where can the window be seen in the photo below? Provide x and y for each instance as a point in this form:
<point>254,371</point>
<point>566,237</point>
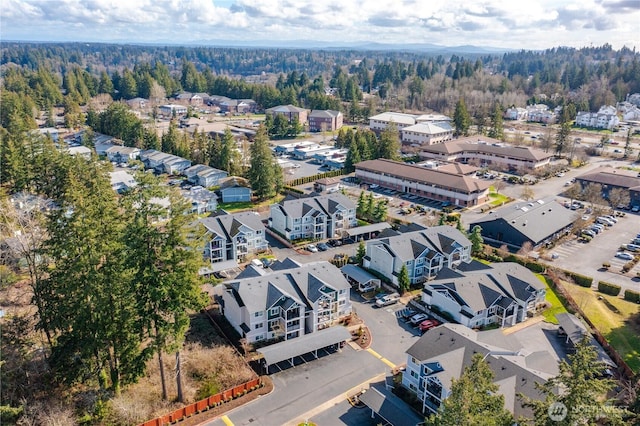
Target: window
<point>258,325</point>
<point>259,337</point>
<point>414,374</point>
<point>258,314</point>
<point>342,291</point>
<point>274,311</point>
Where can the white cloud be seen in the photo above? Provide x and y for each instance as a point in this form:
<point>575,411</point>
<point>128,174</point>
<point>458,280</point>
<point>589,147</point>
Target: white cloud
<point>515,24</point>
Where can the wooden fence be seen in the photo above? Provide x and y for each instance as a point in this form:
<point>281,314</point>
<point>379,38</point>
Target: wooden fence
<point>205,404</point>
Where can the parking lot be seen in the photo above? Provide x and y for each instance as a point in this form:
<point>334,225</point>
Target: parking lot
<point>587,258</point>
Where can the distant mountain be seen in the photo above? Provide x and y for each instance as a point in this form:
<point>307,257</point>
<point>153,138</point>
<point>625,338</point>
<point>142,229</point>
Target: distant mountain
<point>363,45</point>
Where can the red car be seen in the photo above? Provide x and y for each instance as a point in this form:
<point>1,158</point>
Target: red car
<point>427,325</point>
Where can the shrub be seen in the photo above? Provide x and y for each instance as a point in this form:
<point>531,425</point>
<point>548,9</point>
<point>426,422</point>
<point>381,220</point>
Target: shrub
<point>632,296</point>
<point>581,280</point>
<point>606,265</point>
<point>608,288</point>
<point>627,266</point>
<point>535,267</point>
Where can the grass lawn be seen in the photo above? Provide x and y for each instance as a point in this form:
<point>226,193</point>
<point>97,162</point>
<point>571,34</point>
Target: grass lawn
<point>556,305</point>
<point>614,317</point>
<point>247,205</point>
<point>498,199</point>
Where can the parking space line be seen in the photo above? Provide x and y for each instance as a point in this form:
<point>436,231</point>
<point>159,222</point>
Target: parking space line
<point>226,421</point>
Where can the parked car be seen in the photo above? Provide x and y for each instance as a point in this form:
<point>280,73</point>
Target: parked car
<point>635,209</point>
<point>322,247</point>
<point>595,229</point>
<point>427,325</point>
<point>312,248</point>
<point>417,319</point>
<point>624,255</point>
<point>387,300</point>
<point>588,232</point>
<point>335,243</point>
<point>604,221</point>
<point>611,218</point>
<point>631,247</point>
<point>266,262</point>
<point>407,313</point>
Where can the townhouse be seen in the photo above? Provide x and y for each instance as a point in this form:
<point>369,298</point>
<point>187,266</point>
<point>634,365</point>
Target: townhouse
<point>317,218</point>
<point>424,253</point>
<point>441,355</point>
<point>290,301</point>
<point>477,295</point>
<point>169,110</point>
<point>204,175</point>
<point>122,154</point>
<point>233,236</point>
<point>605,118</point>
<point>163,162</point>
<point>487,152</point>
<point>446,185</point>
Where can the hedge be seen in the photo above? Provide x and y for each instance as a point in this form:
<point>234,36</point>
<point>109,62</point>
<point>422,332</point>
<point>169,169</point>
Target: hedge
<point>532,266</point>
<point>581,280</point>
<point>608,288</point>
<point>632,296</point>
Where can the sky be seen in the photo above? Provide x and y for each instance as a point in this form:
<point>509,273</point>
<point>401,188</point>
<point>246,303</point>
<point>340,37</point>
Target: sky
<point>511,24</point>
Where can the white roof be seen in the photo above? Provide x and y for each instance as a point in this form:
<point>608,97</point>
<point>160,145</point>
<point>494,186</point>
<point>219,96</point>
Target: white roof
<point>429,128</point>
<point>396,117</point>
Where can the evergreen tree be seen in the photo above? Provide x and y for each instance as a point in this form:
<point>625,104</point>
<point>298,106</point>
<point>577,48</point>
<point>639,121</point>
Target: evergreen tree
<point>361,252</point>
<point>404,283</point>
<point>497,128</point>
<point>578,388</point>
<point>164,262</point>
<point>389,143</point>
<point>379,213</point>
<point>461,118</point>
<point>368,206</point>
<point>562,137</point>
<point>361,208</point>
<point>262,173</point>
<point>476,239</point>
<point>473,400</point>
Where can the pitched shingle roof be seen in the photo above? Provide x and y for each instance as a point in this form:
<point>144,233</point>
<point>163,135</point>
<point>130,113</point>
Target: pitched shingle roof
<point>439,178</point>
<point>488,146</point>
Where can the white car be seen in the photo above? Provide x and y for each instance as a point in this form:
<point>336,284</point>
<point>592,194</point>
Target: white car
<point>312,248</point>
<point>624,255</point>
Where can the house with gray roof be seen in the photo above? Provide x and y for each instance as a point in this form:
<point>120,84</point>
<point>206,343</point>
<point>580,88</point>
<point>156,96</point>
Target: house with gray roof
<point>317,218</point>
<point>487,152</point>
<point>122,154</point>
<point>201,199</point>
<point>163,162</point>
<point>205,176</point>
<point>233,236</point>
<point>442,353</point>
<point>424,252</point>
<point>477,295</point>
<point>436,184</point>
<point>290,301</point>
<point>536,222</point>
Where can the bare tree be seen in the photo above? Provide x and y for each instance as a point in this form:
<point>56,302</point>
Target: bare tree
<point>573,192</point>
<point>526,248</point>
<point>593,195</point>
<point>527,193</point>
<point>618,197</point>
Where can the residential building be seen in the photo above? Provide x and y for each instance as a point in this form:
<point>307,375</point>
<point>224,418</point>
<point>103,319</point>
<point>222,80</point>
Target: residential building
<point>426,133</point>
<point>634,99</point>
<point>537,223</point>
<point>121,181</point>
<point>290,112</point>
<point>81,151</point>
<point>605,118</point>
<point>609,178</point>
<point>235,189</point>
<point>233,236</point>
<point>202,200</point>
<point>317,218</point>
<point>424,252</point>
<point>442,353</point>
<point>288,302</point>
<point>169,110</point>
<point>164,163</point>
<point>514,113</point>
<point>137,103</point>
<point>477,295</point>
<point>204,175</point>
<point>238,106</point>
<point>540,113</point>
<point>122,154</point>
<point>325,120</point>
<point>441,185</point>
<point>487,152</point>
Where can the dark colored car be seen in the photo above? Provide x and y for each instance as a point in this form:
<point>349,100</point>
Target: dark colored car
<point>322,246</point>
